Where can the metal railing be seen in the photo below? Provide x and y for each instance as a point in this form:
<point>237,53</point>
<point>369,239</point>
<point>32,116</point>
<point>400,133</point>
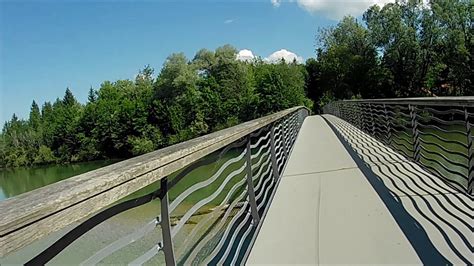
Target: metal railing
<point>213,193</point>
<point>437,133</point>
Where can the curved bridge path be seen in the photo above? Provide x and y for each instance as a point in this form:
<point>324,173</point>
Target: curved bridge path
<point>345,198</point>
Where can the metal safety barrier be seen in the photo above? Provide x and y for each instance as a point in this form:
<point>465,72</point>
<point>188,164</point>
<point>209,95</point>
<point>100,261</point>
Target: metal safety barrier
<point>437,133</point>
<point>210,209</point>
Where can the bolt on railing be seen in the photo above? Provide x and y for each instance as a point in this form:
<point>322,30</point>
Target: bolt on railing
<point>210,207</point>
<point>436,132</point>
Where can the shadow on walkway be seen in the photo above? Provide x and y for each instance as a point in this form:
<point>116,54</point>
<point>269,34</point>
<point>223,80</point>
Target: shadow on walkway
<point>435,218</point>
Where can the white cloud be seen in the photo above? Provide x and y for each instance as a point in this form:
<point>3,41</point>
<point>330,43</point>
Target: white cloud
<point>336,9</point>
<point>228,21</point>
<point>245,55</point>
<point>276,3</point>
<point>284,54</point>
<point>275,57</point>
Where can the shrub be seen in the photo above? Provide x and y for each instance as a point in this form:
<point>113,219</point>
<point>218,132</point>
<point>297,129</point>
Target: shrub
<point>140,145</point>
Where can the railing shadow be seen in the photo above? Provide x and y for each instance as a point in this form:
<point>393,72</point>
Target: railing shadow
<point>422,204</point>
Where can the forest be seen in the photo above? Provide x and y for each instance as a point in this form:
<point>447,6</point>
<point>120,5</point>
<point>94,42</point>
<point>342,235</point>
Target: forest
<point>404,49</point>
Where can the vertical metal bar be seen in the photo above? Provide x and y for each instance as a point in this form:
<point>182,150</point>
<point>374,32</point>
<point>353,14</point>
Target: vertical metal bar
<point>341,110</point>
<point>414,128</point>
<point>250,188</point>
<point>283,138</point>
<point>470,153</point>
<point>290,132</point>
<point>372,122</point>
<point>344,111</point>
<point>293,131</point>
<point>359,115</point>
<point>165,224</point>
<point>276,174</point>
<point>353,114</point>
<point>349,113</point>
<point>364,118</point>
<point>387,124</point>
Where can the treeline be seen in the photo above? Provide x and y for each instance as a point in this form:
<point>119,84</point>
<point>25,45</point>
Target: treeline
<point>131,117</point>
<point>405,49</point>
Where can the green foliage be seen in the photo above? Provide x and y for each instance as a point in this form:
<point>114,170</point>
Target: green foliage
<point>279,86</point>
<point>131,117</point>
<point>140,145</point>
<point>405,49</point>
<point>44,156</point>
<point>326,98</point>
<point>346,63</point>
<point>35,116</point>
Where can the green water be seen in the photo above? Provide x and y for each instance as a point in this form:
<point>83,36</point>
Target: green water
<point>20,180</point>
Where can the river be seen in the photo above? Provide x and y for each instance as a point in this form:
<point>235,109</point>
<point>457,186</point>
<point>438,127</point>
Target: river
<point>20,180</point>
<point>16,181</point>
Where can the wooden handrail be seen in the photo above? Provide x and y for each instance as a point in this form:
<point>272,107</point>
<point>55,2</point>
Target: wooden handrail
<point>464,101</point>
<point>40,212</point>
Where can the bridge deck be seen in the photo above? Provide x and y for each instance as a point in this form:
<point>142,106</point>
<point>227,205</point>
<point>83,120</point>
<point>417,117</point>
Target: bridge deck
<point>346,198</point>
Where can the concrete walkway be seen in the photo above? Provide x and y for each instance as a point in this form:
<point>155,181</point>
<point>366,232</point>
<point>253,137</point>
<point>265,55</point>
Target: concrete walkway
<point>336,207</point>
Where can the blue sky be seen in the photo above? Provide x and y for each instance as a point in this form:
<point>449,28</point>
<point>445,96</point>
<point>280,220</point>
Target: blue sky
<point>46,46</point>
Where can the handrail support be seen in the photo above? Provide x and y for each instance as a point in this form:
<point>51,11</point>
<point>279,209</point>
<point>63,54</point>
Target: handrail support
<point>250,187</point>
<point>414,128</point>
<point>470,153</point>
<point>165,224</point>
<point>275,171</point>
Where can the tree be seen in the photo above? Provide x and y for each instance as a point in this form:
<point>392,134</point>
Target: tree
<point>450,26</point>
<point>203,61</point>
<point>346,64</point>
<point>146,74</point>
<point>405,49</point>
<point>279,86</point>
<point>47,120</point>
<point>35,116</point>
<point>69,99</point>
<point>92,96</point>
<point>65,120</point>
<point>44,156</point>
<point>130,117</point>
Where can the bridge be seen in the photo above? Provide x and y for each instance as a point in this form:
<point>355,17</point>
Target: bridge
<point>369,181</point>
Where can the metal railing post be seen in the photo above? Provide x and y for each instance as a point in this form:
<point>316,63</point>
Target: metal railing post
<point>362,117</point>
<point>283,137</point>
<point>387,124</point>
<point>372,122</point>
<point>359,115</point>
<point>414,128</point>
<point>354,114</point>
<point>250,188</point>
<point>341,108</point>
<point>165,224</point>
<point>366,120</point>
<point>470,153</point>
<point>276,173</point>
<point>290,132</point>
